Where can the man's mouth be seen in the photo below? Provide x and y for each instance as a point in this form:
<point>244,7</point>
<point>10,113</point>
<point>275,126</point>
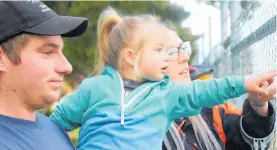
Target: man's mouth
<point>56,84</point>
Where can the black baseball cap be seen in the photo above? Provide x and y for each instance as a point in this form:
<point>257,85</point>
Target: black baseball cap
<point>34,17</point>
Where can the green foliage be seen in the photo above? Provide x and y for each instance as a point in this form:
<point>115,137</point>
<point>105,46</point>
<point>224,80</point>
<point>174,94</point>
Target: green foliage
<point>81,51</point>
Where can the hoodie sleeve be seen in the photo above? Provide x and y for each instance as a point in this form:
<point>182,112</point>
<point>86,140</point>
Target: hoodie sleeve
<point>69,111</point>
<point>188,99</point>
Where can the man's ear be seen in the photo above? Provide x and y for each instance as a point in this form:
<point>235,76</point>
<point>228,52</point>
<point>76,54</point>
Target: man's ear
<point>129,55</point>
<point>3,67</point>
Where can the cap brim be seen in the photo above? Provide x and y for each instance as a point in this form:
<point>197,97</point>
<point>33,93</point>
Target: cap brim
<point>60,25</point>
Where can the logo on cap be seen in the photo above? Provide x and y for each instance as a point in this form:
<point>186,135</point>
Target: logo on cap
<point>33,1</point>
<point>43,7</point>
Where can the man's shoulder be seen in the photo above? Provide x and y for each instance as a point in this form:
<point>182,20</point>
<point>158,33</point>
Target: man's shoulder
<point>49,123</point>
<point>42,116</point>
<point>43,122</point>
<point>20,134</point>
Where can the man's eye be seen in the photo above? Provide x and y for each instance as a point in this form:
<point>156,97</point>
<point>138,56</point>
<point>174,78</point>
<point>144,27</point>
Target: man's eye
<point>48,52</point>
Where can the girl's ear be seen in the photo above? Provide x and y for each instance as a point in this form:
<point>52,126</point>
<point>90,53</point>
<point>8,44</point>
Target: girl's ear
<point>129,56</point>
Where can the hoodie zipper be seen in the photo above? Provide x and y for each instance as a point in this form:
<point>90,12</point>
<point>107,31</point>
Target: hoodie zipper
<point>123,106</point>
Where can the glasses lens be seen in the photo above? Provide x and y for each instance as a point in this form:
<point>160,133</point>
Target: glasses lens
<point>186,48</point>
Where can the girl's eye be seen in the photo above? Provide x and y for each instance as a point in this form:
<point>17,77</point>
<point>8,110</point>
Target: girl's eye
<point>159,49</point>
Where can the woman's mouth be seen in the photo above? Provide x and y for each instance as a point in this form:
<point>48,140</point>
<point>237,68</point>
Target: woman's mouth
<point>185,71</point>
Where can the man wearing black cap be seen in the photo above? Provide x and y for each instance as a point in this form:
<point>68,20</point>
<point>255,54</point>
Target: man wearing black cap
<point>32,67</point>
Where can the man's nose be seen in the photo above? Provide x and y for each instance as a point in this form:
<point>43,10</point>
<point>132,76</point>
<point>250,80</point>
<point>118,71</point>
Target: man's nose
<point>64,67</point>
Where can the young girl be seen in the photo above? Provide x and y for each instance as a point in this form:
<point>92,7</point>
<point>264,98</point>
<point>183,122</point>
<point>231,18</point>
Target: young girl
<point>112,114</point>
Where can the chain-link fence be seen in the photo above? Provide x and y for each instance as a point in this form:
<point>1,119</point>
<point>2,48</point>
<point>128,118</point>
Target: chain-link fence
<point>253,39</point>
<point>252,47</point>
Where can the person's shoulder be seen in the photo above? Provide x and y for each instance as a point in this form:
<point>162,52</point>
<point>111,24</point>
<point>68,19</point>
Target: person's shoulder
<point>49,123</point>
<point>42,117</point>
<point>46,120</point>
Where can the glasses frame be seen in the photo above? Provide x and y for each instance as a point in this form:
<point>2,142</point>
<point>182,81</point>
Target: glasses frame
<point>174,52</point>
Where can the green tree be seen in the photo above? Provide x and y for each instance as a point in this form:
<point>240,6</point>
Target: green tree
<point>81,51</point>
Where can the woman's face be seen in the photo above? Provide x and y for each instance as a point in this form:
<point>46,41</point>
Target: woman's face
<point>178,69</point>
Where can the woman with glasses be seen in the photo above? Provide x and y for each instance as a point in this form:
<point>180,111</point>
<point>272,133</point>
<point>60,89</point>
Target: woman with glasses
<point>220,127</point>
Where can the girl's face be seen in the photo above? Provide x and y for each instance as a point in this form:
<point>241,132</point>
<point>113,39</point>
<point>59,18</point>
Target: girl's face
<point>153,58</point>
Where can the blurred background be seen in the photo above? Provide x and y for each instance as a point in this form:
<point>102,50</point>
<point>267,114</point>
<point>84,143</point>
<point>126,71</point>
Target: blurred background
<point>233,37</point>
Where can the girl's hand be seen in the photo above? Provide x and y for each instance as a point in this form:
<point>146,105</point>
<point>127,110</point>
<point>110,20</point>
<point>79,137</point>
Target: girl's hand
<point>272,88</point>
<point>259,102</point>
<point>255,85</point>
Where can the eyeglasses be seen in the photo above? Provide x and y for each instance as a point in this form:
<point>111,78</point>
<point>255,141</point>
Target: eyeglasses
<point>174,52</point>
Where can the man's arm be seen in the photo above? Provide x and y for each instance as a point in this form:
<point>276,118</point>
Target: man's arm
<point>261,108</point>
<point>257,124</point>
<point>258,121</point>
<point>254,125</point>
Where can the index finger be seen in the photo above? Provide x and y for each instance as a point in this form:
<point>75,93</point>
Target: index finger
<point>267,75</point>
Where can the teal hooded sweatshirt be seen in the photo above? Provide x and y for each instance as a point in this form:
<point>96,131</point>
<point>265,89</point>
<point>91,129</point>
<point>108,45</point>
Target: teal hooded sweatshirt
<point>139,121</point>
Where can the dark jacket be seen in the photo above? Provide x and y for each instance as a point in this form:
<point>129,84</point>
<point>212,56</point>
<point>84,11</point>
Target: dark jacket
<point>224,122</point>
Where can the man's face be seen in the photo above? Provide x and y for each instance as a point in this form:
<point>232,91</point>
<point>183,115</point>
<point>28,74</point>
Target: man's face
<point>37,79</point>
<point>178,70</point>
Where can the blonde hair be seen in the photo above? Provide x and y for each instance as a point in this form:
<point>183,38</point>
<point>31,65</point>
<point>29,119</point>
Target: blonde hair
<point>115,33</point>
<point>12,47</point>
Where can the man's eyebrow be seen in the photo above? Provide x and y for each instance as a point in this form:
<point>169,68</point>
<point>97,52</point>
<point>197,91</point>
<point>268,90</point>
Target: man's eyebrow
<point>52,44</point>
